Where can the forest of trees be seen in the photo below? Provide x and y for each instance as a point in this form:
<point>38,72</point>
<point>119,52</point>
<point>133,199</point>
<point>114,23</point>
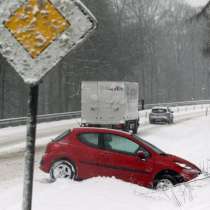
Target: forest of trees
<point>153,42</point>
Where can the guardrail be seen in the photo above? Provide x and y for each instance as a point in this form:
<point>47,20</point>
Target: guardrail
<point>173,104</point>
<point>196,109</point>
<point>40,118</point>
<point>76,114</point>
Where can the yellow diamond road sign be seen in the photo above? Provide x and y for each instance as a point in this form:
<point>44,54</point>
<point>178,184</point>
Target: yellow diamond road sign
<point>36,26</point>
<point>37,34</point>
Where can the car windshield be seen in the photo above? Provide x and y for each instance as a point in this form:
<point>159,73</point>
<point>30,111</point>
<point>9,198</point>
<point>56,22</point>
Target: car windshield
<point>154,148</point>
<point>159,110</point>
<point>61,136</point>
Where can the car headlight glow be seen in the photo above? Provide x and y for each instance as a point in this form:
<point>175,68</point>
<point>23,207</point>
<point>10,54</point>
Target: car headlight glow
<point>183,165</point>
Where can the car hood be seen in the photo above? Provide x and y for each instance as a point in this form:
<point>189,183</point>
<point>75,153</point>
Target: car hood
<point>174,158</point>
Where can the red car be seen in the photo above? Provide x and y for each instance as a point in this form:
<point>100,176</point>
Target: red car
<point>82,153</point>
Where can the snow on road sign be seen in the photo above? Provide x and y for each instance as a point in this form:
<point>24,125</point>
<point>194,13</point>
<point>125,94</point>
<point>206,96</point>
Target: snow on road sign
<point>36,29</point>
<point>36,34</point>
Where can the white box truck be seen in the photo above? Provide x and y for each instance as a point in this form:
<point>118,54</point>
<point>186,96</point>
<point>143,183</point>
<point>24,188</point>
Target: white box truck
<point>110,104</point>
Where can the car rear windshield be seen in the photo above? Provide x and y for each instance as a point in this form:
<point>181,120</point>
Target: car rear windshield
<point>154,148</point>
<point>159,110</point>
<point>63,135</point>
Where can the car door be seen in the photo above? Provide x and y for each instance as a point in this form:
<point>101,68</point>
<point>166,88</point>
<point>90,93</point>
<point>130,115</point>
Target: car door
<point>88,153</point>
<point>120,160</point>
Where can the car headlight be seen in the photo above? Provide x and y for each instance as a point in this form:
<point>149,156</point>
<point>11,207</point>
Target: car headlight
<point>183,165</point>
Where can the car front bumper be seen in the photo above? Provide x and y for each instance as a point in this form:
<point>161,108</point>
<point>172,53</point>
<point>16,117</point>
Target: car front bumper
<point>189,174</point>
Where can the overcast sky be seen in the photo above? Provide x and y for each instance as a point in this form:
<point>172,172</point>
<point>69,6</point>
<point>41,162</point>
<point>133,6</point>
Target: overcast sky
<point>197,3</point>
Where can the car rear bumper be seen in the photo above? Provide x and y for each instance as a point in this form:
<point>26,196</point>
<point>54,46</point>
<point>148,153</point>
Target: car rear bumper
<point>45,163</point>
<point>159,119</point>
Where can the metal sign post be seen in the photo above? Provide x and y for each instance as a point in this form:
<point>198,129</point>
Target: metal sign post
<point>35,36</point>
<point>30,147</point>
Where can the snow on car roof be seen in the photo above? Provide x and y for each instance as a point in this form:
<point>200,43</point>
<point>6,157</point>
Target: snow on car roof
<point>160,107</point>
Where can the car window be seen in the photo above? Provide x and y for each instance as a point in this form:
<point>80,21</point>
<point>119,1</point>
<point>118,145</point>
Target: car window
<point>119,144</point>
<point>62,136</point>
<point>154,148</point>
<point>159,110</point>
<point>92,139</point>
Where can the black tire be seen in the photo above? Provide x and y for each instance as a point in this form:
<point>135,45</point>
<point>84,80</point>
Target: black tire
<point>135,129</point>
<point>131,126</point>
<point>170,121</point>
<point>62,169</point>
<point>127,126</point>
<point>164,182</point>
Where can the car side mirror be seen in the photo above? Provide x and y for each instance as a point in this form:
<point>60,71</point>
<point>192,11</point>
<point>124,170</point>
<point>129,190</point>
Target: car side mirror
<point>141,155</point>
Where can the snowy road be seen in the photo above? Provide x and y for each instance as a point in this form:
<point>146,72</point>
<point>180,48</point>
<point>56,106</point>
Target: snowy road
<point>16,135</point>
<point>12,141</point>
<point>187,138</point>
<point>13,138</point>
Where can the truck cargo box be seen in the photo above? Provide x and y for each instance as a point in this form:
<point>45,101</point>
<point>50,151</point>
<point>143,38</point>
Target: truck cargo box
<point>109,103</point>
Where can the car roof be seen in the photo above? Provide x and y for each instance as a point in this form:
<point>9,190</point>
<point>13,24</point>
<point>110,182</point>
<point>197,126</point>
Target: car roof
<point>100,130</point>
<point>160,107</point>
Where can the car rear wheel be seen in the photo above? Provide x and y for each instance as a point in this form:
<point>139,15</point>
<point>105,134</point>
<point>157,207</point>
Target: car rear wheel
<point>62,170</point>
<point>165,182</point>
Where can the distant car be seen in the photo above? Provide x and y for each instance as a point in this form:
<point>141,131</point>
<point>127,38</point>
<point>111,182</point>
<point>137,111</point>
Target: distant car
<point>161,114</point>
<point>82,153</point>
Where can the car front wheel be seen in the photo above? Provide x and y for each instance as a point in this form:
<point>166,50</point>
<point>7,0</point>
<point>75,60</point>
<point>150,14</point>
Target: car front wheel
<point>62,169</point>
<point>165,182</point>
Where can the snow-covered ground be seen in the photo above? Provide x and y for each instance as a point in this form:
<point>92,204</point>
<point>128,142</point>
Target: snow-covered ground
<point>197,3</point>
<point>187,138</point>
<point>13,138</point>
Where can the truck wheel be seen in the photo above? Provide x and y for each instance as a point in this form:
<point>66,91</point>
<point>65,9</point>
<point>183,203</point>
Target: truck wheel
<point>126,126</point>
<point>135,129</point>
<point>131,126</point>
